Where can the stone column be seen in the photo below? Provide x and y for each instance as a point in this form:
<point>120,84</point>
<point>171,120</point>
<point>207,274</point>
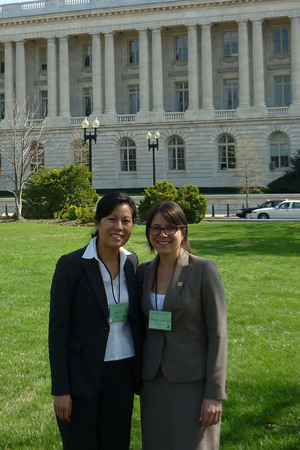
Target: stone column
<point>144,71</point>
<point>157,71</point>
<point>52,77</point>
<point>193,75</point>
<point>110,78</point>
<point>97,74</point>
<point>64,77</point>
<point>244,80</point>
<point>9,78</point>
<point>20,75</point>
<point>295,58</point>
<point>258,65</point>
<point>207,80</point>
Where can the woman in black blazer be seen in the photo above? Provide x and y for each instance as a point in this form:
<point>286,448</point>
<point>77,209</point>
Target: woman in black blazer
<point>94,335</point>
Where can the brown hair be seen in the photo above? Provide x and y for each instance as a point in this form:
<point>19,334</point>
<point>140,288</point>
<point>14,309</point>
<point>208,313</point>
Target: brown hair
<point>174,215</point>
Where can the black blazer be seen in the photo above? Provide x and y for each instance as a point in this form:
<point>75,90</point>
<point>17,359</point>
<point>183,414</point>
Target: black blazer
<point>79,326</point>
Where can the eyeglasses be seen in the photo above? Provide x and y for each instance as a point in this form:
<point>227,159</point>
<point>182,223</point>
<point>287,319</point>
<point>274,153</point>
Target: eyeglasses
<point>169,230</point>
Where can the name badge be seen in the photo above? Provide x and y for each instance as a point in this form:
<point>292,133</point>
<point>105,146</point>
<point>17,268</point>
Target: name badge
<point>160,320</point>
<point>117,312</point>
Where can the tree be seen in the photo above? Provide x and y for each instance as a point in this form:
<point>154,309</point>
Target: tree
<point>249,167</point>
<point>161,191</point>
<point>81,151</point>
<point>290,182</point>
<point>21,148</point>
<point>50,191</point>
<point>295,164</point>
<point>192,203</point>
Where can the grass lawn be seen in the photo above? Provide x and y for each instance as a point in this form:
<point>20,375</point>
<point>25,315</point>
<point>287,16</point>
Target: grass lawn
<point>259,265</point>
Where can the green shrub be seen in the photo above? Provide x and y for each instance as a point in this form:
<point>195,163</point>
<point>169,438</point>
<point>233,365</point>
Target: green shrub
<point>161,191</point>
<point>188,197</point>
<point>192,202</point>
<point>87,215</point>
<point>52,190</point>
<point>83,214</point>
<point>72,213</point>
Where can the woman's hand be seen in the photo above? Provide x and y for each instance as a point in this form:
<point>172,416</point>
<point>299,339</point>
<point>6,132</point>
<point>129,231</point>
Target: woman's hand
<point>63,407</point>
<point>211,412</point>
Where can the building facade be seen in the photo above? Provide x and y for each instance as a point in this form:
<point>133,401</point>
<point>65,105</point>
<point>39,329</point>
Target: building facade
<point>204,73</point>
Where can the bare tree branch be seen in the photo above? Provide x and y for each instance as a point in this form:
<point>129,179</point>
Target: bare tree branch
<point>22,148</point>
<point>249,168</point>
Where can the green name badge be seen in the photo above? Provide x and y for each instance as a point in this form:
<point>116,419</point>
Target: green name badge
<point>160,320</point>
<point>117,312</point>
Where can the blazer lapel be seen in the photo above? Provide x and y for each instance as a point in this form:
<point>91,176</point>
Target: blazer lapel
<point>93,272</point>
<point>131,281</point>
<point>181,271</point>
<point>149,272</point>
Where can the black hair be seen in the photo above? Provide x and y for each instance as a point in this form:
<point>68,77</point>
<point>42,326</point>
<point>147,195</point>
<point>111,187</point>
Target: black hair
<point>108,202</point>
<point>174,215</point>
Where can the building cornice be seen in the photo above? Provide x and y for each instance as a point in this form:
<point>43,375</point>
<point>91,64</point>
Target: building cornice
<point>68,14</point>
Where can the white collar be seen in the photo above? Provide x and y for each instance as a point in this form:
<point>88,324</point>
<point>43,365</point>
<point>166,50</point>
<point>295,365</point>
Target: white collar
<point>91,252</point>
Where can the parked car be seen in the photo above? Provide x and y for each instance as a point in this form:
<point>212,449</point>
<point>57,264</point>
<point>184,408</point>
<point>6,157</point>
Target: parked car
<point>289,209</point>
<point>244,212</point>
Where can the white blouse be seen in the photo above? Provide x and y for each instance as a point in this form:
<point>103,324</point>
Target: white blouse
<point>120,341</point>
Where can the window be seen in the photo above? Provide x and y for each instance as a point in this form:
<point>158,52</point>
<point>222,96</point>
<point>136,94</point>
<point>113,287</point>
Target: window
<point>181,96</point>
<point>37,156</point>
<point>87,56</point>
<point>181,48</point>
<point>43,59</point>
<point>2,106</point>
<point>2,63</point>
<point>281,40</point>
<point>282,90</point>
<point>279,150</point>
<point>87,101</point>
<point>134,99</point>
<point>44,103</point>
<point>133,52</point>
<point>128,156</point>
<point>226,153</point>
<point>176,154</point>
<point>230,43</point>
<point>231,92</point>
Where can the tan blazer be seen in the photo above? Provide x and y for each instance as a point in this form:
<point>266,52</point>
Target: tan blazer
<point>196,347</point>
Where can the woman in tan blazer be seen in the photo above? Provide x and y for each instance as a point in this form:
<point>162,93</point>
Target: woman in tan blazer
<point>185,347</point>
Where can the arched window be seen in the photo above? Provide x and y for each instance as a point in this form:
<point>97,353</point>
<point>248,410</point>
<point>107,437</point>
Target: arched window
<point>176,154</point>
<point>226,153</point>
<point>127,156</point>
<point>279,150</point>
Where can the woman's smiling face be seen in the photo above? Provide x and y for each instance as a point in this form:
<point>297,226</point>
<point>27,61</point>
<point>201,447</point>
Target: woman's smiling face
<point>163,243</point>
<point>115,229</point>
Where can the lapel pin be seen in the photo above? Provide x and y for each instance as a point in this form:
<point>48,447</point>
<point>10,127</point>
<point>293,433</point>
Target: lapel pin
<point>179,283</point>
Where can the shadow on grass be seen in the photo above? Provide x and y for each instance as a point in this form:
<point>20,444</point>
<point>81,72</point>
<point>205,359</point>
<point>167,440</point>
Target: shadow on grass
<point>255,416</point>
<point>249,240</point>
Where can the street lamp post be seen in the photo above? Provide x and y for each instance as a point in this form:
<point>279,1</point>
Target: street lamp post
<point>152,147</point>
<point>90,137</point>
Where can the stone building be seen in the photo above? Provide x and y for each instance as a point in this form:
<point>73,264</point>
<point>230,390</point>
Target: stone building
<point>204,73</point>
